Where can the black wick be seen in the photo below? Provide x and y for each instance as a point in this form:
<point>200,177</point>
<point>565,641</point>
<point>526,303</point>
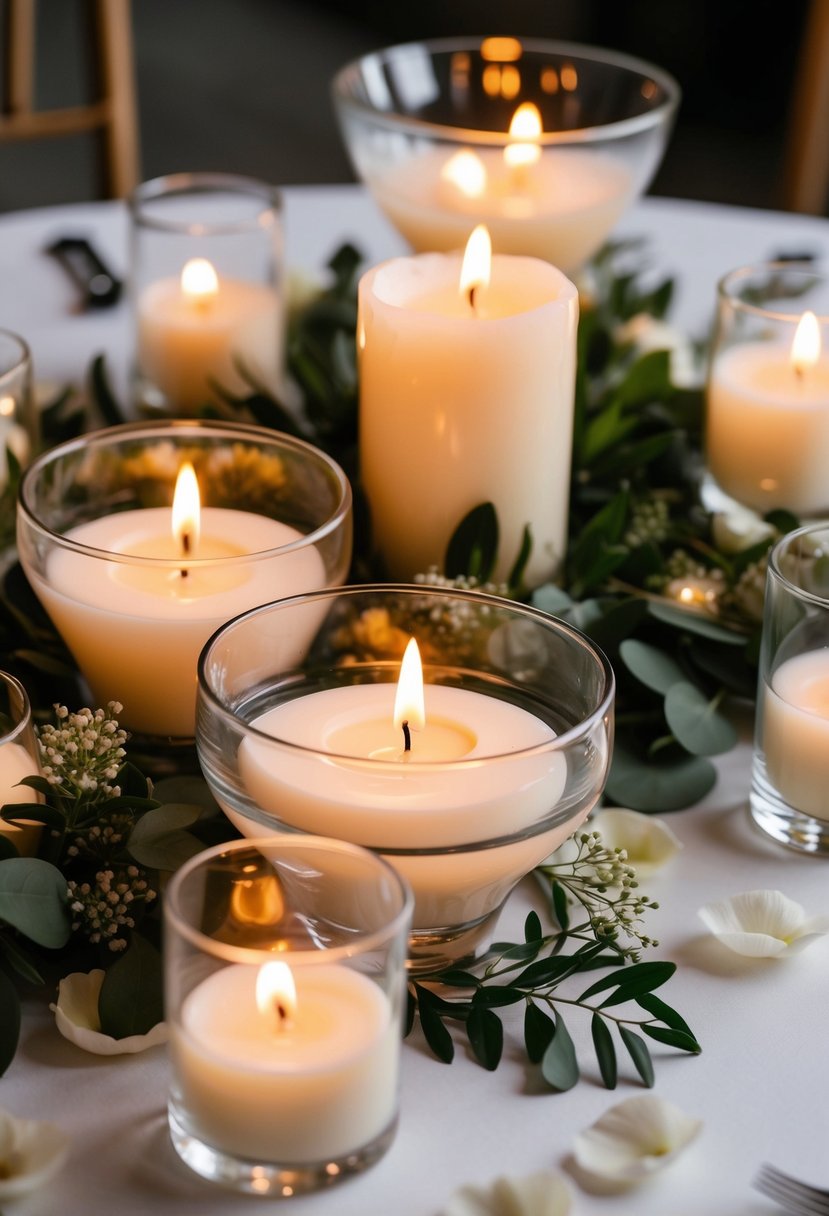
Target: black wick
<point>407,738</point>
<point>472,291</point>
<point>185,544</point>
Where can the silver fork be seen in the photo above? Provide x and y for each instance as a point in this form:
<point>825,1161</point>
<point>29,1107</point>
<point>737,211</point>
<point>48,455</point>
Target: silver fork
<point>799,1198</point>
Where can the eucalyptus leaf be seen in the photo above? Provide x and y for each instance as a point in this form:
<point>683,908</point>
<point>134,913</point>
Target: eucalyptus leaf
<point>560,909</point>
<point>532,928</point>
<point>638,1051</point>
<point>19,960</point>
<point>672,1038</point>
<point>496,996</point>
<point>693,622</point>
<point>188,791</point>
<point>605,1051</point>
<point>639,977</point>
<point>551,599</point>
<point>652,666</point>
<point>132,994</point>
<point>653,1004</point>
<point>9,1021</point>
<point>559,1066</point>
<point>486,1036</point>
<point>33,900</point>
<point>435,1033</point>
<point>660,783</point>
<point>539,1029</point>
<point>696,722</point>
<point>649,379</point>
<point>159,841</point>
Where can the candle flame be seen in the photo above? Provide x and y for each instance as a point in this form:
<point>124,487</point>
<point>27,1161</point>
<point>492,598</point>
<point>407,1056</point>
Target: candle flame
<point>408,702</point>
<point>467,172</point>
<point>276,993</point>
<point>477,262</point>
<point>7,407</point>
<point>186,521</point>
<point>199,280</point>
<point>806,344</point>
<point>524,131</point>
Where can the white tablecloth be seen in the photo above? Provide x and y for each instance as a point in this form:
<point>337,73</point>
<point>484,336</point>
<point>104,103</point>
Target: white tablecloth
<point>760,1085</point>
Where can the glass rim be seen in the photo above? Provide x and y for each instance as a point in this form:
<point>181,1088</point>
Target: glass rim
<point>170,185</point>
<point>24,352</point>
<point>739,274</point>
<point>781,547</point>
<point>249,955</point>
<point>442,132</point>
<point>26,720</point>
<point>558,743</point>
<point>205,426</point>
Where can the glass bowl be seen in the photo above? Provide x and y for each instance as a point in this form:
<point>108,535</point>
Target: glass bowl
<point>95,540</point>
<point>295,733</point>
<point>427,127</point>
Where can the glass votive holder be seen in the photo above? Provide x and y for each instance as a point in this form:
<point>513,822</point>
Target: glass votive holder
<point>18,759</point>
<point>790,773</point>
<point>296,733</point>
<point>18,422</point>
<point>134,590</point>
<point>206,266</point>
<point>285,991</point>
<point>767,424</point>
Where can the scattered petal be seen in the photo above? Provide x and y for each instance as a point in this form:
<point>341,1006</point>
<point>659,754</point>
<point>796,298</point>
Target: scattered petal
<point>634,1139</point>
<point>648,841</point>
<point>30,1153</point>
<point>76,1015</point>
<point>762,924</point>
<point>541,1194</point>
<point>738,528</point>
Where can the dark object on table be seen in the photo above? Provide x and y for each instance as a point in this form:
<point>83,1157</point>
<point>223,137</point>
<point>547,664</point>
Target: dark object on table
<point>98,285</point>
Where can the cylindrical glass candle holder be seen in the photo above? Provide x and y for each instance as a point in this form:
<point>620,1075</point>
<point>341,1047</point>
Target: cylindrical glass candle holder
<point>790,778</point>
<point>285,991</point>
<point>767,425</point>
<point>136,594</point>
<point>296,733</point>
<point>18,759</point>
<point>18,422</point>
<point>206,261</point>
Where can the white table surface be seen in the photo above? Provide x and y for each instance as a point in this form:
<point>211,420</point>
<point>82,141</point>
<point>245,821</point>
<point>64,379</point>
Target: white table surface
<point>760,1085</point>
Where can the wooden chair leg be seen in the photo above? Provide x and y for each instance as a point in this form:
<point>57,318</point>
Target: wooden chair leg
<point>113,26</point>
<point>806,171</point>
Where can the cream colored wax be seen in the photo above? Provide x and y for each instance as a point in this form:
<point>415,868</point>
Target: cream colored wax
<point>15,764</point>
<point>462,404</point>
<point>796,732</point>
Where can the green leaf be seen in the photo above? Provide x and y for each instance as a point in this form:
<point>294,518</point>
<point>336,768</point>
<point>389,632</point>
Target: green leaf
<point>696,723</point>
<point>653,1004</point>
<point>560,908</point>
<point>19,961</point>
<point>187,791</point>
<point>636,978</point>
<point>132,782</point>
<point>158,840</point>
<point>649,379</point>
<point>539,1029</point>
<point>516,574</point>
<point>37,812</point>
<point>9,1021</point>
<point>559,1066</point>
<point>486,1037</point>
<point>638,1051</point>
<point>605,1051</point>
<point>660,783</point>
<point>459,979</point>
<point>102,394</point>
<point>435,1033</point>
<point>132,994</point>
<point>551,599</point>
<point>473,547</point>
<point>651,666</point>
<point>491,996</point>
<point>694,622</point>
<point>33,899</point>
<point>672,1038</point>
<point>532,928</point>
<point>617,622</point>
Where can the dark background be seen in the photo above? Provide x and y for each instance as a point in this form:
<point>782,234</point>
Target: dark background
<point>242,86</point>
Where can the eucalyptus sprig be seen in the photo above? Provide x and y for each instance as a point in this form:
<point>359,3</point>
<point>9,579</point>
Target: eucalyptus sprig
<point>538,974</point>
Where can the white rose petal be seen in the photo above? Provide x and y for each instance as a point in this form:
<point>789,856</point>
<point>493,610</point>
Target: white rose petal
<point>648,841</point>
<point>76,1015</point>
<point>30,1153</point>
<point>762,924</point>
<point>634,1139</point>
<point>541,1194</point>
<point>738,529</point>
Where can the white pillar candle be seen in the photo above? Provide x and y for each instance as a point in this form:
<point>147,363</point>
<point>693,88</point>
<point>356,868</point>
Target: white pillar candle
<point>316,1087</point>
<point>136,628</point>
<point>465,403</point>
<point>554,203</point>
<point>15,764</point>
<point>480,769</point>
<point>195,329</point>
<point>767,430</point>
<point>796,732</point>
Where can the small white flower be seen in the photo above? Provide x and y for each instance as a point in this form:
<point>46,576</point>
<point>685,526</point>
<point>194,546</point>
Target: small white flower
<point>648,333</point>
<point>76,1015</point>
<point>541,1194</point>
<point>738,529</point>
<point>634,1139</point>
<point>648,841</point>
<point>30,1153</point>
<point>762,924</point>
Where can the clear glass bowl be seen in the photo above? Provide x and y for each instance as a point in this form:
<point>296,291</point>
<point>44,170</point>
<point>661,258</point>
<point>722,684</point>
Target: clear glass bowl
<point>427,127</point>
<point>94,539</point>
<point>295,734</point>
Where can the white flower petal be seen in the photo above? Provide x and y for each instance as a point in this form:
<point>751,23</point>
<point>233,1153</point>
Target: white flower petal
<point>762,924</point>
<point>648,841</point>
<point>634,1139</point>
<point>541,1194</point>
<point>738,528</point>
<point>76,1015</point>
<point>30,1153</point>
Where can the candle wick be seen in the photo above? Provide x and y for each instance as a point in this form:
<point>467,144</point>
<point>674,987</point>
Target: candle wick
<point>472,291</point>
<point>798,371</point>
<point>407,738</point>
<point>185,545</point>
<point>281,1013</point>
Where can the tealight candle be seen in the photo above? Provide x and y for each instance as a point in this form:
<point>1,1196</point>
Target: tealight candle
<point>18,751</point>
<point>552,203</point>
<point>796,732</point>
<point>466,396</point>
<point>196,331</point>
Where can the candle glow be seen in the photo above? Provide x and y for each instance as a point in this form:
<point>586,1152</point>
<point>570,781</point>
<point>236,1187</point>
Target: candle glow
<point>186,516</point>
<point>477,263</point>
<point>276,993</point>
<point>524,131</point>
<point>409,706</point>
<point>467,172</point>
<point>806,344</point>
<point>199,281</point>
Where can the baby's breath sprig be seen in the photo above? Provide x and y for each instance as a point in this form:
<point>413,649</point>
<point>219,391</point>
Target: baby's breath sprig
<point>82,753</point>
